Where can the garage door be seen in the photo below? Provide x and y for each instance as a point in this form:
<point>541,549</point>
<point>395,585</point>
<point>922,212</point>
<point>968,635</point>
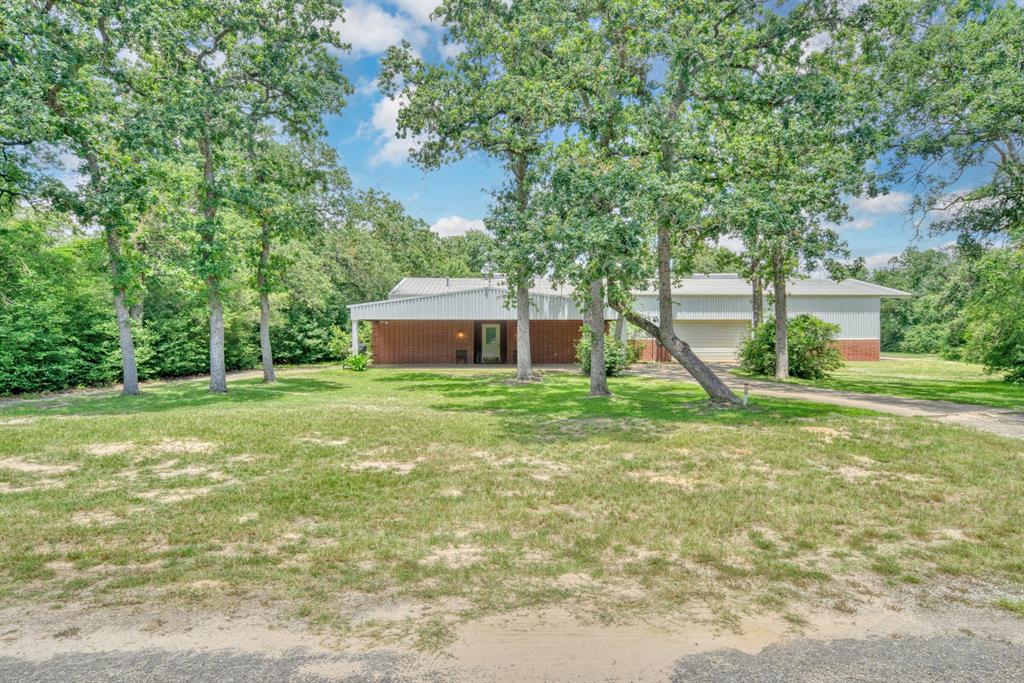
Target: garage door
<point>712,339</point>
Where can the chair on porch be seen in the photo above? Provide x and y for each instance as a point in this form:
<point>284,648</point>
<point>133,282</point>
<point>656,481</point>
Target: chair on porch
<point>461,356</point>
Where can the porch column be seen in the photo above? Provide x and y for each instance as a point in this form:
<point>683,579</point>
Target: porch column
<point>355,336</point>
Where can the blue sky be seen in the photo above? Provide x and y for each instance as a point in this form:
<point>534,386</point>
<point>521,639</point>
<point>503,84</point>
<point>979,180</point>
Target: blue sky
<point>455,198</point>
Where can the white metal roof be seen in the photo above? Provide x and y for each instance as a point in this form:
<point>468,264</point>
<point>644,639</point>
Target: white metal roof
<point>715,284</point>
<point>479,303</point>
<point>421,286</point>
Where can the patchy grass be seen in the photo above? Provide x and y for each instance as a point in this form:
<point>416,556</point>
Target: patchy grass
<point>357,499</point>
<point>1015,606</point>
<point>923,376</point>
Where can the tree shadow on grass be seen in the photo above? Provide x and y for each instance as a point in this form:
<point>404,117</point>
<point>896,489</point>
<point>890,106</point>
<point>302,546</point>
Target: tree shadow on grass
<point>176,395</point>
<point>555,405</point>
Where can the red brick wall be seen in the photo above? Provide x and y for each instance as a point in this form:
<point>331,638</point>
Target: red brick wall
<point>851,349</point>
<point>551,341</point>
<point>420,341</point>
<point>435,341</point>
<point>859,349</point>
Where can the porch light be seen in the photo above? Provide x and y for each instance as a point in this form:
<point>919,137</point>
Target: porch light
<point>460,335</point>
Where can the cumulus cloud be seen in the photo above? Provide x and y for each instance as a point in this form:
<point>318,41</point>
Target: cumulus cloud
<point>456,225</point>
<point>894,202</point>
<point>859,224</point>
<point>875,261</point>
<point>734,244</point>
<point>384,122</point>
<point>370,29</point>
<point>418,9</point>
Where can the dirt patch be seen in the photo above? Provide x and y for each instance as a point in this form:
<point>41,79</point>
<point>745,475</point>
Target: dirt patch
<point>667,479</point>
<point>591,425</point>
<point>38,485</point>
<point>19,465</point>
<point>175,495</point>
<point>95,517</point>
<point>316,439</point>
<point>827,434</point>
<point>107,449</point>
<point>401,468</point>
<point>14,421</point>
<point>851,473</point>
<point>455,557</point>
<point>184,446</point>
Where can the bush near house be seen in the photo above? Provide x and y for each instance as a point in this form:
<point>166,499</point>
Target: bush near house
<point>617,355</point>
<point>813,353</point>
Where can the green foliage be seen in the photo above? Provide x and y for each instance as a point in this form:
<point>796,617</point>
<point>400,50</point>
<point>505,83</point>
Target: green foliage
<point>57,328</point>
<point>995,314</point>
<point>358,362</point>
<point>617,355</point>
<point>813,353</point>
<point>933,320</point>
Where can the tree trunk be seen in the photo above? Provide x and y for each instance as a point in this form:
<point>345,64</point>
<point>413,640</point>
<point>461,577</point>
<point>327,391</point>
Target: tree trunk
<point>620,327</point>
<point>757,300</point>
<point>664,332</point>
<point>781,322</point>
<point>261,283</point>
<point>218,376</point>
<point>126,340</point>
<point>598,376</point>
<point>524,360</point>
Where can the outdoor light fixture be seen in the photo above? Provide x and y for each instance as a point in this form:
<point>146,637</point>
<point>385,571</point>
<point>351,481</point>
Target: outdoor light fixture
<point>460,335</point>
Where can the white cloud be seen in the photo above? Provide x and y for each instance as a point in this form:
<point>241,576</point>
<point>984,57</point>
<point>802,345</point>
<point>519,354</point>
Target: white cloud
<point>859,224</point>
<point>876,261</point>
<point>456,225</point>
<point>734,244</point>
<point>384,121</point>
<point>369,29</point>
<point>894,202</point>
<point>449,50</point>
<point>418,9</point>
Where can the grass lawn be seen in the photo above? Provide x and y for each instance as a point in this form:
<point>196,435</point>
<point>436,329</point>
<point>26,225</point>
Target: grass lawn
<point>454,494</point>
<point>924,376</point>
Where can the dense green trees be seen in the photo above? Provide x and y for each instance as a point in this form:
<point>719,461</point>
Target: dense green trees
<point>56,330</point>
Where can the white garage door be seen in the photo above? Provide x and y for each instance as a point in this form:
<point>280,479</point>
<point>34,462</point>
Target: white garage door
<point>712,339</point>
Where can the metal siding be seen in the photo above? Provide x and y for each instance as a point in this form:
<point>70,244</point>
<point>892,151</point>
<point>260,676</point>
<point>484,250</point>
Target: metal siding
<point>479,304</point>
<point>857,316</point>
<point>699,307</point>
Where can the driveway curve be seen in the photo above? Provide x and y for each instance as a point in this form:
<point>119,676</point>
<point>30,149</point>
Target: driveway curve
<point>994,420</point>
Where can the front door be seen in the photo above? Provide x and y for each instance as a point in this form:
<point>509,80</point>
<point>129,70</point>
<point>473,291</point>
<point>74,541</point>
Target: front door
<point>490,344</point>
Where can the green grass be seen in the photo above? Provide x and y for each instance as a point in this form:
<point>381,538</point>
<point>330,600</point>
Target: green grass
<point>924,376</point>
<point>463,493</point>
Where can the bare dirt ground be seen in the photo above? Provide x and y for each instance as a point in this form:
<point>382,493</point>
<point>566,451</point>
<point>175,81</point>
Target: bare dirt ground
<point>900,636</point>
<point>997,421</point>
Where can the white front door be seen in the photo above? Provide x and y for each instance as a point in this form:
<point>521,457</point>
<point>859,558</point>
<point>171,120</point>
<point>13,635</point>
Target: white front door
<point>490,344</point>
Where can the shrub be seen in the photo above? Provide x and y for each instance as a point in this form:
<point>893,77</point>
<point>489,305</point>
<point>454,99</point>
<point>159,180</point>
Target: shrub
<point>617,355</point>
<point>358,362</point>
<point>813,352</point>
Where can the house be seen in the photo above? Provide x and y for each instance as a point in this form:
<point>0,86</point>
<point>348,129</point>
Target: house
<point>473,320</point>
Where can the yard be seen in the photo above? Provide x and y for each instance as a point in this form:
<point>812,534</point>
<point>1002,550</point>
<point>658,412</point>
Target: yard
<point>396,504</point>
<point>925,377</point>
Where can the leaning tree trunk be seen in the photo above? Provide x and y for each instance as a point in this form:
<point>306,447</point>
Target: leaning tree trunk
<point>126,340</point>
<point>598,375</point>
<point>261,282</point>
<point>666,335</point>
<point>781,322</point>
<point>218,371</point>
<point>524,360</point>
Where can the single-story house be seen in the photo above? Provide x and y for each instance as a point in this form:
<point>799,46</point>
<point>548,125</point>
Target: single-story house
<point>473,320</point>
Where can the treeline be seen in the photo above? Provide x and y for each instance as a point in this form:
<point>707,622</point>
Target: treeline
<point>968,305</point>
<point>57,331</point>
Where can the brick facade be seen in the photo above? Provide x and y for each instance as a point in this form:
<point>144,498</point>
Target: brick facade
<point>436,341</point>
<point>860,349</point>
<point>851,349</point>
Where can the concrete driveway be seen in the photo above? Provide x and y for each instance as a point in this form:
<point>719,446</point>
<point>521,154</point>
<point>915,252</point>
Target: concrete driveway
<point>997,421</point>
